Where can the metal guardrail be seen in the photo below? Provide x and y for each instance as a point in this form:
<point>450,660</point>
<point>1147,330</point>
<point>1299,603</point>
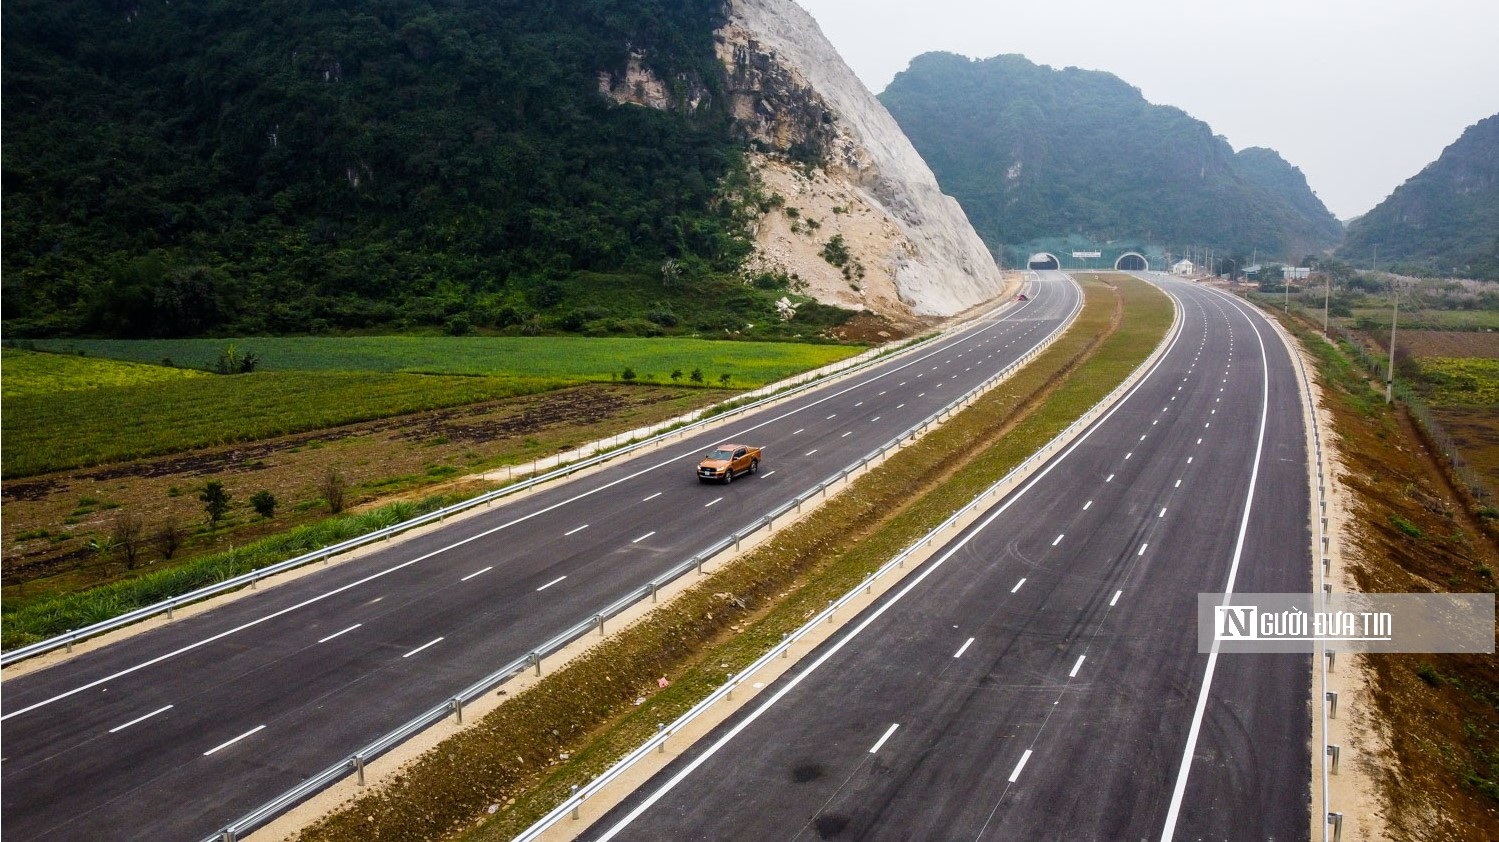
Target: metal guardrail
<point>453,706</point>
<point>571,805</point>
<point>169,606</point>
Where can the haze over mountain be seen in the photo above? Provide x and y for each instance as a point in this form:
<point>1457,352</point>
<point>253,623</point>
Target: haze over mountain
<point>586,165</point>
<point>1443,219</point>
<point>1032,152</point>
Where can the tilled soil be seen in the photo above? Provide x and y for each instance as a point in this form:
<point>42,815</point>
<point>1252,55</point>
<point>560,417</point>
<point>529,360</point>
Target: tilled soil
<point>49,520</point>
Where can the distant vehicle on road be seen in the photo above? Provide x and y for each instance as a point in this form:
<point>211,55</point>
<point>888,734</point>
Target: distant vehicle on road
<point>1022,297</point>
<point>728,461</point>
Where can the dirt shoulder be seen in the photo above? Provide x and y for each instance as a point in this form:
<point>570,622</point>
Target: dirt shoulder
<point>1422,729</point>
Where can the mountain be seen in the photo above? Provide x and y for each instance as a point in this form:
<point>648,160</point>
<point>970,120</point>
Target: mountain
<point>1445,218</point>
<point>176,169</point>
<point>1032,152</point>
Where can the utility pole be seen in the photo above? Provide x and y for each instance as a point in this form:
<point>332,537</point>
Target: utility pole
<point>1326,296</point>
<point>1285,282</point>
<point>1389,383</point>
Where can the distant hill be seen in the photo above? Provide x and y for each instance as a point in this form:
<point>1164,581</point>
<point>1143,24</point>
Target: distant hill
<point>1033,152</point>
<point>1443,219</point>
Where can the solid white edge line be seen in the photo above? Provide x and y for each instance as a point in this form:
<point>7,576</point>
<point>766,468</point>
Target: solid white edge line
<point>1015,775</point>
<point>1077,666</point>
<point>891,730</point>
<point>551,583</point>
<point>643,537</point>
<point>928,569</point>
<point>423,646</point>
<point>339,633</point>
<point>1177,793</point>
<point>964,648</point>
<point>472,575</point>
<point>233,741</point>
<point>139,719</point>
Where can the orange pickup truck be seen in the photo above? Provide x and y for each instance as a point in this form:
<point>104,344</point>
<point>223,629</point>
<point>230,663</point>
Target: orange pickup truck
<point>728,461</point>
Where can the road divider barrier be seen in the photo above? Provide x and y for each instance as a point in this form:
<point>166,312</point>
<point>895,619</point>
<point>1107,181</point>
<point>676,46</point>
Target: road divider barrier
<point>991,494</point>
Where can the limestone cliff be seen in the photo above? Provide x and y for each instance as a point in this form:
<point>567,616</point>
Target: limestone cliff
<point>902,244</point>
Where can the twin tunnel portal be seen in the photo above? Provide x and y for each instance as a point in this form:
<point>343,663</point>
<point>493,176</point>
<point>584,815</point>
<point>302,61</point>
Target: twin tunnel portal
<point>1130,261</point>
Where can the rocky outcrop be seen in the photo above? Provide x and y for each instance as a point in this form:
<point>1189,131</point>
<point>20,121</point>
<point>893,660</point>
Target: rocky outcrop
<point>794,98</point>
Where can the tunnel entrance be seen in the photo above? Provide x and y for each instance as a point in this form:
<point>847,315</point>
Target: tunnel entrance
<point>1132,261</point>
<point>1043,260</point>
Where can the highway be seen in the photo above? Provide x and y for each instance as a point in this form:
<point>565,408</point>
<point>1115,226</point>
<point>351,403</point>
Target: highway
<point>171,733</point>
<point>1038,678</point>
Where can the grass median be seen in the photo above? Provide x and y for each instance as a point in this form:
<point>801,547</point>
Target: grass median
<point>524,757</point>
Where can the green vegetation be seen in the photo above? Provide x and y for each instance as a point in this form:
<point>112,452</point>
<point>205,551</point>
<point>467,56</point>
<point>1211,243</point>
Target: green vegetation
<point>111,424</point>
<point>1032,152</point>
<point>29,374</point>
<point>193,169</point>
<point>29,621</point>
<point>587,710</point>
<point>1444,219</point>
<point>572,358</point>
<point>1461,381</point>
<point>49,430</point>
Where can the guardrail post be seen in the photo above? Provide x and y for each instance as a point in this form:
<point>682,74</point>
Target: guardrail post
<point>1333,751</point>
<point>576,804</point>
<point>653,592</point>
<point>1336,820</point>
<point>661,746</point>
<point>536,659</point>
<point>832,607</point>
<point>227,835</point>
<point>699,565</point>
<point>358,761</point>
<point>169,609</point>
<point>786,645</point>
<point>1332,704</point>
<point>599,618</point>
<point>457,705</point>
<point>731,687</point>
<point>70,641</point>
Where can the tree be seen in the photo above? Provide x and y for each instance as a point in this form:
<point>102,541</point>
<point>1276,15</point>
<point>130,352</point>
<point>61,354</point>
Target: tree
<point>723,379</point>
<point>333,487</point>
<point>627,375</point>
<point>676,374</point>
<point>671,273</point>
<point>215,502</point>
<point>126,535</point>
<point>264,503</point>
<point>696,376</point>
<point>167,538</point>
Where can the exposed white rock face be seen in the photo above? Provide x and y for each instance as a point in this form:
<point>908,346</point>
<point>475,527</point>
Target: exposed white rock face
<point>791,92</point>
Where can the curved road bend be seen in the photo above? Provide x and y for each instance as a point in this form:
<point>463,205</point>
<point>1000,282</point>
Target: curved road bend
<point>1038,679</point>
<point>173,733</point>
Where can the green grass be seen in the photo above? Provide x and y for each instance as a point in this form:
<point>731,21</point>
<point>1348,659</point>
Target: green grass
<point>27,373</point>
<point>50,432</point>
<point>587,709</point>
<point>1461,381</point>
<point>749,364</point>
<point>38,619</point>
<point>1378,318</point>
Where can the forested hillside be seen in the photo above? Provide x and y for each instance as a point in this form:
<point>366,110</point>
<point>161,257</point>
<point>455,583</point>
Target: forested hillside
<point>1033,152</point>
<point>176,169</point>
<point>1445,219</point>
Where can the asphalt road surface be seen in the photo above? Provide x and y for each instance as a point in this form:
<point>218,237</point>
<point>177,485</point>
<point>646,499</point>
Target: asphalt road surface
<point>1039,678</point>
<point>175,732</point>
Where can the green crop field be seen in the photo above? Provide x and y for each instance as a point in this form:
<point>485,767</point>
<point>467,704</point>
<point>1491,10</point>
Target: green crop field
<point>749,364</point>
<point>26,373</point>
<point>48,432</point>
<point>1430,319</point>
<point>1462,381</point>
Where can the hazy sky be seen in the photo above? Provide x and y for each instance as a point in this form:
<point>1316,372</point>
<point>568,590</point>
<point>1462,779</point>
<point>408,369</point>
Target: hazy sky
<point>1360,94</point>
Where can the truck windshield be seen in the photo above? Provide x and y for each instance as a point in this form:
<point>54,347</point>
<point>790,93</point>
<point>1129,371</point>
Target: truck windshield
<point>721,454</point>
